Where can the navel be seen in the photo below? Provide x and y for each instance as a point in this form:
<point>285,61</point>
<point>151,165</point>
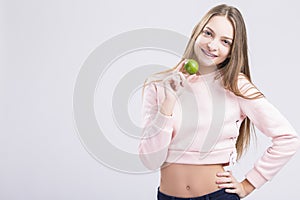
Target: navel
<point>188,187</point>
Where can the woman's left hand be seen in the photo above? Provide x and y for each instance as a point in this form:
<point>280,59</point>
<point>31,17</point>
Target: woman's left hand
<point>226,180</point>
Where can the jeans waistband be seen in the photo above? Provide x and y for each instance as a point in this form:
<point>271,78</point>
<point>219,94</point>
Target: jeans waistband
<point>204,197</point>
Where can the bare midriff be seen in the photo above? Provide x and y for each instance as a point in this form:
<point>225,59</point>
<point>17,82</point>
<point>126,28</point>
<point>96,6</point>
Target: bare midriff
<point>186,180</point>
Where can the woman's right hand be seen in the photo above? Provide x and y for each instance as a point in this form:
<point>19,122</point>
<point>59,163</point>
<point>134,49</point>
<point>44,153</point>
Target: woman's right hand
<point>173,88</point>
<point>174,85</point>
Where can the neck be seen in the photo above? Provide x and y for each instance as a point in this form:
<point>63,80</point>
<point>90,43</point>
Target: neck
<point>207,69</point>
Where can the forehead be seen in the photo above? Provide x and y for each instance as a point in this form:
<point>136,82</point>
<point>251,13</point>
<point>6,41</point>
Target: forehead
<point>221,26</point>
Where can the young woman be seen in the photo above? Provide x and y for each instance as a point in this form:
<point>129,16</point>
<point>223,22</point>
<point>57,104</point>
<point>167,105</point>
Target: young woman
<point>195,125</point>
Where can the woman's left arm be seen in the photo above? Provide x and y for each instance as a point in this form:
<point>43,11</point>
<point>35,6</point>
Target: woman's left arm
<point>285,140</point>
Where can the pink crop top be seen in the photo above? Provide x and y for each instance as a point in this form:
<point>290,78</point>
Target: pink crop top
<point>204,127</point>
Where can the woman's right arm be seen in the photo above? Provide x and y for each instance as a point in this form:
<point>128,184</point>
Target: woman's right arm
<point>157,111</point>
<point>157,128</point>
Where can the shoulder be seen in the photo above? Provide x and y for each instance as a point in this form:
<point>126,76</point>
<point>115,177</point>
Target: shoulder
<point>242,78</point>
<point>153,89</point>
<point>246,87</point>
<point>149,89</point>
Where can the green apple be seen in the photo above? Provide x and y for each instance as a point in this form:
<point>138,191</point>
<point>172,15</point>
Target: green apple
<point>191,66</point>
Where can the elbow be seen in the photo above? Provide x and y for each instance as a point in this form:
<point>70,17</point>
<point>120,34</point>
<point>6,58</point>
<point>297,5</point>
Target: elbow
<point>297,143</point>
<point>293,143</point>
<point>287,144</point>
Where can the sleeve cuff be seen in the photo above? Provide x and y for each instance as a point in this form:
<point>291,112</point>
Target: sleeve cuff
<point>255,178</point>
<point>163,122</point>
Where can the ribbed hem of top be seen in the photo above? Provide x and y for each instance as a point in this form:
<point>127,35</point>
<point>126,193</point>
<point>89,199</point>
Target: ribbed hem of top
<point>199,158</point>
<point>255,178</point>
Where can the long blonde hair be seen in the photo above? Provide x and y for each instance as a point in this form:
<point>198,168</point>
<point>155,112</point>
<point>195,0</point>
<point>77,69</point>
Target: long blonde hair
<point>233,65</point>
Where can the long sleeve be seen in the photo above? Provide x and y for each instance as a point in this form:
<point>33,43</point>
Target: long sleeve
<point>285,141</point>
<point>157,130</point>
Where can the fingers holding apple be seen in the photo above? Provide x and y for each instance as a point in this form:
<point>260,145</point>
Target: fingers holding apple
<point>176,81</point>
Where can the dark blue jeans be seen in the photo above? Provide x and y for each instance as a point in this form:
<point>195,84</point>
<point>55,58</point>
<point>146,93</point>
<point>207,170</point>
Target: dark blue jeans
<point>218,195</point>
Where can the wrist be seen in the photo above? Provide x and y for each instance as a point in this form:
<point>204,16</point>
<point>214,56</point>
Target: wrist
<point>167,107</point>
<point>247,186</point>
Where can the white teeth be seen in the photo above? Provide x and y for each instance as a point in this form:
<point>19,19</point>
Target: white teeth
<point>208,54</point>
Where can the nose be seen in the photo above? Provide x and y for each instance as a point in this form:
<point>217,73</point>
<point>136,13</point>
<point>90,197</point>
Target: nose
<point>213,45</point>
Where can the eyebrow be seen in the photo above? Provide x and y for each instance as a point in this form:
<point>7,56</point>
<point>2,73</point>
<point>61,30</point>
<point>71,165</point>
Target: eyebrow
<point>214,32</point>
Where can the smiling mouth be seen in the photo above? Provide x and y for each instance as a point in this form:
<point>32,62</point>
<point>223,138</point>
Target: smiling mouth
<point>208,54</point>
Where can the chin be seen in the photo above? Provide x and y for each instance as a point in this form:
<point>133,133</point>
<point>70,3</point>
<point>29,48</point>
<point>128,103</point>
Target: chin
<point>208,64</point>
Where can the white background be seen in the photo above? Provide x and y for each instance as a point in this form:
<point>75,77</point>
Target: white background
<point>43,46</point>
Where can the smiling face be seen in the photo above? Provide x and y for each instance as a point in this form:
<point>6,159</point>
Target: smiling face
<point>213,44</point>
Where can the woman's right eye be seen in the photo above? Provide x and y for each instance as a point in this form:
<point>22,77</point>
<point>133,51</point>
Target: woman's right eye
<point>207,33</point>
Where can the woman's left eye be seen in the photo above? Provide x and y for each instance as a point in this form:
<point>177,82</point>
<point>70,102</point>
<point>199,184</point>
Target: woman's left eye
<point>226,42</point>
